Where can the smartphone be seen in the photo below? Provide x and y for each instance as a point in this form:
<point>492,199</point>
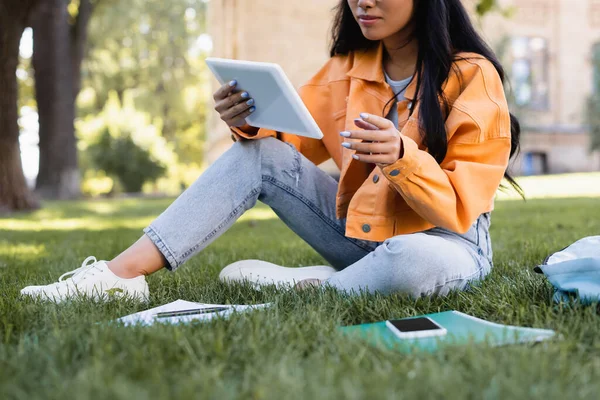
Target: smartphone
<point>415,328</point>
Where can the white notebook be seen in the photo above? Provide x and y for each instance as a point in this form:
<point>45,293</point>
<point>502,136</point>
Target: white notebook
<point>149,317</point>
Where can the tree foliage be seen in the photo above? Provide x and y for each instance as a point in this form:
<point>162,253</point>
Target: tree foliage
<point>484,7</point>
<point>124,144</point>
<point>121,157</point>
<point>149,49</point>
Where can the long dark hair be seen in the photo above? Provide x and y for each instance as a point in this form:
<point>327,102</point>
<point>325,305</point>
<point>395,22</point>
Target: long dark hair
<point>442,29</point>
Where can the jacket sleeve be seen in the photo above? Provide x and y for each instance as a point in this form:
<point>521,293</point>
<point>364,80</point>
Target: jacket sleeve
<point>454,193</point>
<point>312,149</point>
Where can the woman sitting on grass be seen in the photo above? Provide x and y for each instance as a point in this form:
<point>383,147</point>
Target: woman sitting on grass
<point>413,111</point>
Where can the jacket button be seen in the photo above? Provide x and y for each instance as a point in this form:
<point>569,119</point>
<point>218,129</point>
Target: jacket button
<point>366,228</point>
<point>375,178</point>
<point>395,172</point>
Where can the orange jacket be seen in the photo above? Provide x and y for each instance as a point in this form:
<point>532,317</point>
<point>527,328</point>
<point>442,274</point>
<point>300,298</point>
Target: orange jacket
<point>415,193</point>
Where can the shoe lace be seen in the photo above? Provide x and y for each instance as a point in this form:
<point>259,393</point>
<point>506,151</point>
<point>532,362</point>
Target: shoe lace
<point>79,273</point>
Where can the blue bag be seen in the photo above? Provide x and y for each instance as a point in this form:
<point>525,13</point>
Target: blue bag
<point>575,271</point>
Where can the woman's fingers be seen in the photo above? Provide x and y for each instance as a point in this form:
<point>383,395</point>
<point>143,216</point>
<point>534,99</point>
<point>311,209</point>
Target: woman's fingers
<point>233,108</point>
<point>379,122</point>
<point>240,119</point>
<point>373,158</point>
<point>236,110</point>
<point>365,125</point>
<point>368,135</point>
<point>368,147</point>
<point>230,101</point>
<point>224,90</point>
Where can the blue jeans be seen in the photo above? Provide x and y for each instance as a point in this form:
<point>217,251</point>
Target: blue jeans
<point>303,196</point>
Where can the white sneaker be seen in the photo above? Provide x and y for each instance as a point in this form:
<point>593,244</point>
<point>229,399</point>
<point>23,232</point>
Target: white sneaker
<point>265,273</point>
<point>93,280</point>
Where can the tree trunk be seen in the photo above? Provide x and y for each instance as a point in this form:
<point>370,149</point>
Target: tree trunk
<point>59,172</point>
<point>14,193</point>
<point>79,35</point>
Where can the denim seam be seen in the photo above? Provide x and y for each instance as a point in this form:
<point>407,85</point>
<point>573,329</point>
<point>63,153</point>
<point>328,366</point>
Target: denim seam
<point>312,207</point>
<point>162,246</point>
<point>489,245</point>
<point>466,278</point>
<point>231,215</point>
<point>477,231</point>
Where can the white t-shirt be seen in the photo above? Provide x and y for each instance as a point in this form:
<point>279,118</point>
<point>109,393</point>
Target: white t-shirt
<point>399,87</point>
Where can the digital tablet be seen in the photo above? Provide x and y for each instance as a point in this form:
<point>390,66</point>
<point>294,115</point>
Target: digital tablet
<point>278,105</point>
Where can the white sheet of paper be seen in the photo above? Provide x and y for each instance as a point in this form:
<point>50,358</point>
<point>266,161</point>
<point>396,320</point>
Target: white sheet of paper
<point>147,317</point>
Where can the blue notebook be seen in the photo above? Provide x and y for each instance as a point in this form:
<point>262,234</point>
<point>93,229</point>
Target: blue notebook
<point>462,329</point>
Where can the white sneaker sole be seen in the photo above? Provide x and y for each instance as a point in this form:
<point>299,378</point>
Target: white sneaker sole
<point>39,293</point>
<point>265,273</point>
<point>93,280</point>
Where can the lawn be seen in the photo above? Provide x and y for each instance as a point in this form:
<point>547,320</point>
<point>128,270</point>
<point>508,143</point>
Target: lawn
<point>292,350</point>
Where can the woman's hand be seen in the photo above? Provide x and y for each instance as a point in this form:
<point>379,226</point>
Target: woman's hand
<point>382,142</point>
<point>233,107</point>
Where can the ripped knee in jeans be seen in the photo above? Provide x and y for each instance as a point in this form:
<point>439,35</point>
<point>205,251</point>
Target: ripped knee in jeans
<point>296,169</point>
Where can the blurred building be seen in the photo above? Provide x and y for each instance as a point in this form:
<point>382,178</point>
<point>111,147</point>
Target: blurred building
<point>547,46</point>
<point>290,33</point>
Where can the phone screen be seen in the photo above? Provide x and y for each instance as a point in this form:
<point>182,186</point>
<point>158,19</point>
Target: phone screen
<point>415,325</point>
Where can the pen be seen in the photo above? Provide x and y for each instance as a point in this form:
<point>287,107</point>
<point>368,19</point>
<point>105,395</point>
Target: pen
<point>197,311</point>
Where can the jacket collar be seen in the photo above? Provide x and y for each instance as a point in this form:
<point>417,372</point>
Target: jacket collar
<point>368,66</point>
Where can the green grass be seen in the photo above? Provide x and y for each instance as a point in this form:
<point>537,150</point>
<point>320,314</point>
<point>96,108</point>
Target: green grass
<point>291,350</point>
